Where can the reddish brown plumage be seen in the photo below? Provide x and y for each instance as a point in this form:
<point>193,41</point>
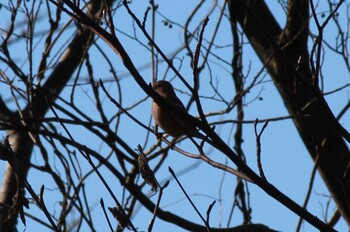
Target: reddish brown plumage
<point>171,123</point>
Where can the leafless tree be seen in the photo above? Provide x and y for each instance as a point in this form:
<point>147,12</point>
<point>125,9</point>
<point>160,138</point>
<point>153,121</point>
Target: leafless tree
<point>81,128</point>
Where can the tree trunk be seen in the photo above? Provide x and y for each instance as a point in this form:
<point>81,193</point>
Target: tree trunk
<point>285,54</point>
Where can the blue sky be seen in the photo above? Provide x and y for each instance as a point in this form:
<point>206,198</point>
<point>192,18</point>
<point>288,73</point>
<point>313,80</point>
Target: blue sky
<point>285,160</point>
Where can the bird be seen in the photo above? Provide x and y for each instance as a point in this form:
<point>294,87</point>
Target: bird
<point>172,123</point>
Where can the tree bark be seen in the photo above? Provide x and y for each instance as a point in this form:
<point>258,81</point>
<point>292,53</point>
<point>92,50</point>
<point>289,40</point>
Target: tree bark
<point>285,54</point>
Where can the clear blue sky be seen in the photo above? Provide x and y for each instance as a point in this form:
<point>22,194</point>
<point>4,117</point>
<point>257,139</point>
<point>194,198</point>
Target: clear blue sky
<point>285,160</point>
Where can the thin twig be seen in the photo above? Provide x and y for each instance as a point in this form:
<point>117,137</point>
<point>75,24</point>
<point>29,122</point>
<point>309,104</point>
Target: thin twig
<point>308,194</point>
<point>105,213</point>
<point>189,199</point>
<point>150,226</point>
<point>122,109</point>
<point>196,73</point>
<point>258,147</point>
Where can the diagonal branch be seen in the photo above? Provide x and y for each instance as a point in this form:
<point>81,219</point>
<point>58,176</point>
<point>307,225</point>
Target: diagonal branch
<point>286,57</point>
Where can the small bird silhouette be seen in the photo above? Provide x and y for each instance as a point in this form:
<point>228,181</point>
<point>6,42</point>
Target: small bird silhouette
<point>173,124</point>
